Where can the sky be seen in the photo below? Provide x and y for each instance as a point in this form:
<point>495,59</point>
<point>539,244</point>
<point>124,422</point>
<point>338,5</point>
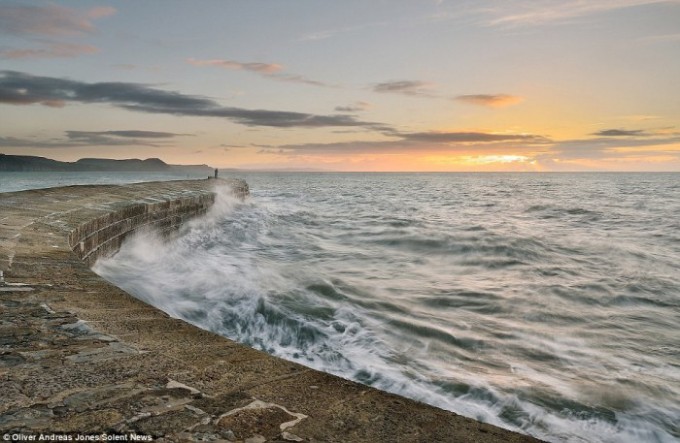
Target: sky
<point>357,85</point>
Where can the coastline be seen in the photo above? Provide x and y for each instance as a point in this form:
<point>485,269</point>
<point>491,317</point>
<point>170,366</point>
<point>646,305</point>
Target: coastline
<point>82,356</point>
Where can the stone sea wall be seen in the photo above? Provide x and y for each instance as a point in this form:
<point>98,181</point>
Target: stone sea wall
<point>104,234</point>
<point>80,359</point>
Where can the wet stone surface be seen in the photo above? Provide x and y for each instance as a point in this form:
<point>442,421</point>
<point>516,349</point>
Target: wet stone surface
<point>79,356</point>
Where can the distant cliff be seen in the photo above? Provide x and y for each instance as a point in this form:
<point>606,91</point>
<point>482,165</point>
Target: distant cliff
<point>28,163</point>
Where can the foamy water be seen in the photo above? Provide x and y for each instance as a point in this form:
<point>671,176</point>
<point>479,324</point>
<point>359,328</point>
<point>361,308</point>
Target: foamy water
<point>544,303</point>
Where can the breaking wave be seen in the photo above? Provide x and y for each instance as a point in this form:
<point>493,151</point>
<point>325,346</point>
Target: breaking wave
<point>547,304</point>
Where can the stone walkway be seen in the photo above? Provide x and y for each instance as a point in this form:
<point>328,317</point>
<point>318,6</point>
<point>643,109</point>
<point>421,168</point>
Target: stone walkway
<point>82,359</point>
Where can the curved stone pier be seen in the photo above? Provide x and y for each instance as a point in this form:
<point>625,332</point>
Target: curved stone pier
<point>79,356</point>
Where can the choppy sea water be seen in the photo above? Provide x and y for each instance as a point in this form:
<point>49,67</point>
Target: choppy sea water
<point>544,303</point>
<point>20,181</point>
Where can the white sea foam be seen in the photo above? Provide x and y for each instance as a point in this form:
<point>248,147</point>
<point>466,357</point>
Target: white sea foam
<point>518,322</point>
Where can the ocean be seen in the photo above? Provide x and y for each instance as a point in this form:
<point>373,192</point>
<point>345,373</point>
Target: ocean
<point>543,303</point>
<point>20,181</point>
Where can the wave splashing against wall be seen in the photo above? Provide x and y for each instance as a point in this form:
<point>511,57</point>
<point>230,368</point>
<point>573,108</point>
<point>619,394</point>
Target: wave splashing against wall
<point>541,303</point>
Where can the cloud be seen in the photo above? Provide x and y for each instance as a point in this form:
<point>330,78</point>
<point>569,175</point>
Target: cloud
<point>14,142</point>
<point>530,13</point>
<point>355,107</point>
<point>406,87</point>
<point>42,23</point>
<point>533,147</point>
<point>94,138</point>
<point>228,147</point>
<point>493,147</point>
<point>415,141</point>
<point>471,137</point>
<point>52,50</point>
<point>423,89</point>
<point>251,117</point>
<point>621,133</point>
<point>49,20</point>
<point>18,88</point>
<point>631,149</point>
<point>131,133</point>
<point>267,70</point>
<point>611,146</point>
<point>116,138</point>
<point>490,100</point>
<point>262,68</point>
<point>294,78</point>
<point>344,148</point>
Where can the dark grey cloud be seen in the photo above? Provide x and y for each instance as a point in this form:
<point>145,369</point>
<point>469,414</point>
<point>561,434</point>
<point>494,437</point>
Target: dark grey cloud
<point>609,147</point>
<point>69,142</point>
<point>131,133</point>
<point>355,107</point>
<point>14,142</point>
<point>347,109</point>
<point>351,147</point>
<point>18,88</point>
<point>608,144</point>
<point>258,117</point>
<point>471,137</point>
<point>490,100</point>
<point>94,138</point>
<point>406,87</point>
<point>543,149</point>
<point>621,133</point>
<point>570,160</point>
<point>409,142</point>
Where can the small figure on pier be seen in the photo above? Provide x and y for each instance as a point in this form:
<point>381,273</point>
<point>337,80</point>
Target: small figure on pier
<point>215,172</point>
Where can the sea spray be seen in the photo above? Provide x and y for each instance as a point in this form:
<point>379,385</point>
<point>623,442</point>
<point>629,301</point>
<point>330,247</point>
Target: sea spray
<point>542,303</point>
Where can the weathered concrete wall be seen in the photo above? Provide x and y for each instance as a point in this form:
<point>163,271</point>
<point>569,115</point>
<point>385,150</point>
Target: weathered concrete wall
<point>80,356</point>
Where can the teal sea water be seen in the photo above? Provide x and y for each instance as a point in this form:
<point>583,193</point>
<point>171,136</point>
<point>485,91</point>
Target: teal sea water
<point>544,303</point>
<point>19,181</point>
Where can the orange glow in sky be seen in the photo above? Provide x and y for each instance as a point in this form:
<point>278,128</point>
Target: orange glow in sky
<point>358,86</point>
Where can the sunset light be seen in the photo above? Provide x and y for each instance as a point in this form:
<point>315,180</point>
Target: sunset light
<point>357,86</point>
<point>340,221</point>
